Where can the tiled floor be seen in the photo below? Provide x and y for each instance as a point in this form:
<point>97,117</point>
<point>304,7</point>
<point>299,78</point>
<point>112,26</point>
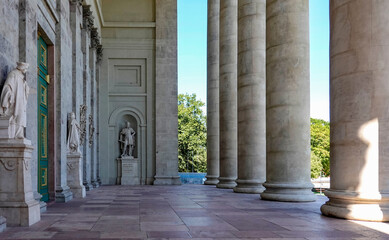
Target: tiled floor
<point>188,211</point>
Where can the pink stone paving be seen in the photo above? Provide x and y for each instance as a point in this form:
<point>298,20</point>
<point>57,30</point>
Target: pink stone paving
<point>186,212</point>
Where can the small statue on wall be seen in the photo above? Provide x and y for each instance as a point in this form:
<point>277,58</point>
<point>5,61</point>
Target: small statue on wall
<point>14,100</point>
<point>127,141</point>
<point>73,143</point>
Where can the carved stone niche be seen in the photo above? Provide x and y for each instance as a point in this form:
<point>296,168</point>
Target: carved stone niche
<point>128,167</point>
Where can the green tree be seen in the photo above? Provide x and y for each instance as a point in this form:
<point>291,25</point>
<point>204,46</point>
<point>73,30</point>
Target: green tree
<point>316,166</point>
<point>192,134</point>
<point>320,145</point>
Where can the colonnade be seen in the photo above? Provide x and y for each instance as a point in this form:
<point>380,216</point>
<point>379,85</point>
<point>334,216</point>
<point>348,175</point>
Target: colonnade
<point>259,119</point>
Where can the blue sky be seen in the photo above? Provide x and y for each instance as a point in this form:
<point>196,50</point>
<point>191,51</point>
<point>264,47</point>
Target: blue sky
<point>192,52</point>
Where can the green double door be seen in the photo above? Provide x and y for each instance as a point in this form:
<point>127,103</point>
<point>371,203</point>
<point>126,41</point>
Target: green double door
<point>43,79</point>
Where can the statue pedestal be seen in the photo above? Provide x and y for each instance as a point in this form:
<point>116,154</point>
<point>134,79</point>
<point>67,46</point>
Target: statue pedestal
<point>74,171</point>
<point>3,224</point>
<point>128,171</point>
<point>17,203</point>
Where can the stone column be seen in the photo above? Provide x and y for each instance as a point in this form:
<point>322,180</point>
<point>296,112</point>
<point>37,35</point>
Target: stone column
<point>213,93</point>
<point>84,115</point>
<point>359,95</point>
<point>228,93</point>
<point>166,112</point>
<point>251,96</point>
<point>287,102</point>
<point>95,42</point>
<point>63,90</point>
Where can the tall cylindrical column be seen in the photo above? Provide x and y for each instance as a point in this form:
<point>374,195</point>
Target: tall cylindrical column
<point>213,93</point>
<point>251,96</point>
<point>359,95</point>
<point>228,93</point>
<point>287,102</point>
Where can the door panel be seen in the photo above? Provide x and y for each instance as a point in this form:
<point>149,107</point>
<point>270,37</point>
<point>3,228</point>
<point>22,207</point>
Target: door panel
<point>42,120</point>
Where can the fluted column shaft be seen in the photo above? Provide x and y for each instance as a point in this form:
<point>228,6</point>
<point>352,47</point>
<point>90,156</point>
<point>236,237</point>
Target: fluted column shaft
<point>213,93</point>
<point>251,96</point>
<point>359,95</point>
<point>228,93</point>
<point>287,102</point>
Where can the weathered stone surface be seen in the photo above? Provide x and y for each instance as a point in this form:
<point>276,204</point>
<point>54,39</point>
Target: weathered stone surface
<point>63,92</point>
<point>287,102</point>
<point>166,119</point>
<point>359,111</point>
<point>128,170</point>
<point>74,175</point>
<point>251,96</point>
<point>213,93</point>
<point>228,93</point>
<point>17,203</point>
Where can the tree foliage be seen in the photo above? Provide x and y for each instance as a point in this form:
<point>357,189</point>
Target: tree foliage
<point>192,134</point>
<point>320,147</point>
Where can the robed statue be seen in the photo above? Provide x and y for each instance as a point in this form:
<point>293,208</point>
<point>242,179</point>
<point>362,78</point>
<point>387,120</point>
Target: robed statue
<point>73,143</point>
<point>126,139</point>
<point>14,100</point>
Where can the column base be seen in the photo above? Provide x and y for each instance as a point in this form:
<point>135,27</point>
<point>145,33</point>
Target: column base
<point>3,224</point>
<point>226,183</point>
<point>42,204</point>
<point>249,186</point>
<point>88,186</point>
<point>351,205</point>
<point>63,195</point>
<point>167,180</point>
<point>288,192</point>
<point>22,214</point>
<point>211,180</point>
<point>95,184</point>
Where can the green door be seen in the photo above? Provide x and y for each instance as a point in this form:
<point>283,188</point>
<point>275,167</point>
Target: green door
<point>42,120</point>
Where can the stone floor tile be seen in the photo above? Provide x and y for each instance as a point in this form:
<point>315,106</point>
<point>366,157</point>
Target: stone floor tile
<point>123,235</point>
<point>168,234</point>
<point>212,234</point>
<point>77,235</point>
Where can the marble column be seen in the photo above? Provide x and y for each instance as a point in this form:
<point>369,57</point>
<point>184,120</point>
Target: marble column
<point>287,102</point>
<point>228,93</point>
<point>213,93</point>
<point>251,96</point>
<point>359,96</point>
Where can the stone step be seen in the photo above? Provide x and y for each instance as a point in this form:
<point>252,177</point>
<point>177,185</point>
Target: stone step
<point>3,223</point>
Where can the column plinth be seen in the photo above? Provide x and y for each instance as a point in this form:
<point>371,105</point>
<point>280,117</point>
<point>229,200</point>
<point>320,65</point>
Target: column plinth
<point>359,100</point>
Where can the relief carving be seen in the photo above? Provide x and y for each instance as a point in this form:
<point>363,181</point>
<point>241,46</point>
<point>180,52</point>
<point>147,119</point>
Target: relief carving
<point>83,109</point>
<point>9,165</point>
<point>91,130</point>
<point>88,18</point>
<point>99,53</point>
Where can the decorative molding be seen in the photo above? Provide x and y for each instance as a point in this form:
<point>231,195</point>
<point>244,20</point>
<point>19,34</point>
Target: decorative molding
<point>26,164</point>
<point>77,2</point>
<point>120,24</point>
<point>83,109</point>
<point>87,17</point>
<point>91,130</point>
<point>129,24</point>
<point>99,53</point>
<point>95,38</point>
<point>9,165</point>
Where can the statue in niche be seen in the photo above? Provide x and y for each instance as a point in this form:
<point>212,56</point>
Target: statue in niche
<point>73,143</point>
<point>127,140</point>
<point>14,100</point>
